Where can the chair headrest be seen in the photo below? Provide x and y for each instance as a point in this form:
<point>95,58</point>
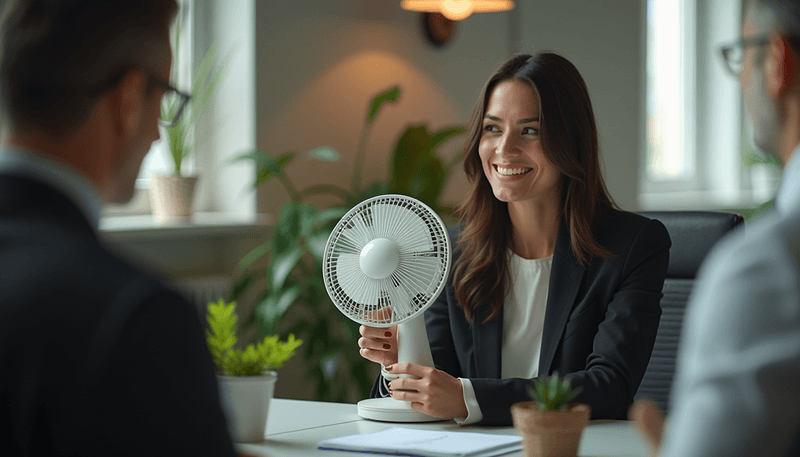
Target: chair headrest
<point>693,234</point>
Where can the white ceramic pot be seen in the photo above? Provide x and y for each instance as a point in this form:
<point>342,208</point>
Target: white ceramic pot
<point>245,400</point>
<point>172,197</point>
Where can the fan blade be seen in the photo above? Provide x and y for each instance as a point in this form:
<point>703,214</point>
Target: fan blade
<point>347,273</point>
<point>416,273</point>
<point>358,230</point>
<point>401,225</point>
<point>399,300</point>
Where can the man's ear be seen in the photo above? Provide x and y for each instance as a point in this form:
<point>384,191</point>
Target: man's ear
<point>780,66</point>
<point>128,102</point>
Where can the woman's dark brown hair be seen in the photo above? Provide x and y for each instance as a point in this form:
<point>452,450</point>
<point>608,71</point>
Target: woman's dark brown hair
<point>568,135</point>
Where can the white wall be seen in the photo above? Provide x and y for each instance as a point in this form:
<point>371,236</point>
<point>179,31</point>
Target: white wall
<point>318,63</point>
<point>604,40</point>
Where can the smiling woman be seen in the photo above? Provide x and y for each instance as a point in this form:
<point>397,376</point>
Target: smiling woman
<point>549,276</point>
<point>513,160</point>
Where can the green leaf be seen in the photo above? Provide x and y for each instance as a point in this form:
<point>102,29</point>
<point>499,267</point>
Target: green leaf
<point>427,186</point>
<point>316,244</point>
<point>221,334</point>
<point>294,222</point>
<point>329,215</point>
<point>416,170</point>
<point>206,79</point>
<point>326,153</point>
<point>439,137</point>
<point>240,286</point>
<point>251,257</point>
<point>553,393</point>
<point>266,165</point>
<point>371,191</point>
<point>271,308</point>
<point>283,263</point>
<point>409,152</point>
<point>389,95</point>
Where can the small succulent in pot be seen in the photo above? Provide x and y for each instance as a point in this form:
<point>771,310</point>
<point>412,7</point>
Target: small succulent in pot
<point>553,393</point>
<point>551,425</point>
<point>269,354</point>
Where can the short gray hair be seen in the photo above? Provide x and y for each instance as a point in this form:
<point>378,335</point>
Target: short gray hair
<point>777,15</point>
<point>57,56</point>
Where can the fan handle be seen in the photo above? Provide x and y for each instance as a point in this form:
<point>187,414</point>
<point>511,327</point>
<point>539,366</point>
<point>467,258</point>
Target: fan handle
<point>412,342</point>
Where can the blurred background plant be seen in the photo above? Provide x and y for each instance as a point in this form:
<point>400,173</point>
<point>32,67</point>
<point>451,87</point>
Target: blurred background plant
<point>294,297</point>
<point>182,139</point>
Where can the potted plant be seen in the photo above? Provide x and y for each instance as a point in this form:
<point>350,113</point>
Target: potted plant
<point>246,377</point>
<point>550,426</point>
<point>172,194</point>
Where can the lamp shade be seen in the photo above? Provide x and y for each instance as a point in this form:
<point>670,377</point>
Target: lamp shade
<point>457,10</point>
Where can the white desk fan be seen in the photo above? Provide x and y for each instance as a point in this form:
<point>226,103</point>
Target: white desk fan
<point>390,250</point>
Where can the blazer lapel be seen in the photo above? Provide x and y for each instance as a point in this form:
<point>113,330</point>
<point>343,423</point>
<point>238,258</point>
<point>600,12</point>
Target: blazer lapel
<point>488,340</point>
<point>565,279</point>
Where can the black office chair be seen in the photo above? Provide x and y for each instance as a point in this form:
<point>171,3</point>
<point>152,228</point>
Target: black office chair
<point>693,234</point>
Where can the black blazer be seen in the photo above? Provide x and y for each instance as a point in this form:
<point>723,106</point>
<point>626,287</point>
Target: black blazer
<point>96,357</point>
<point>600,323</point>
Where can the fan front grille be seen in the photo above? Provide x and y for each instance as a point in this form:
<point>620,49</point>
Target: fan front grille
<point>424,260</point>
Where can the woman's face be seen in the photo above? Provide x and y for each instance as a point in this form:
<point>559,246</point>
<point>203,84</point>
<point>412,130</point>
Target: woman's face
<point>512,156</point>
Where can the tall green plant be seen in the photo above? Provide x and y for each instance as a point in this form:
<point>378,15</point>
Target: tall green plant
<point>181,139</point>
<point>294,271</point>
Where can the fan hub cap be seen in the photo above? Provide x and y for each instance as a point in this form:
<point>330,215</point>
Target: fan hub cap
<point>379,258</point>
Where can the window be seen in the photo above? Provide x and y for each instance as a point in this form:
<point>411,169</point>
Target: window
<point>158,159</point>
<point>670,91</point>
<point>224,188</point>
<point>693,145</point>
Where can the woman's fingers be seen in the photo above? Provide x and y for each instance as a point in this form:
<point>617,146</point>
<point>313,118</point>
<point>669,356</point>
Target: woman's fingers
<point>378,345</point>
<point>431,391</point>
<point>382,315</point>
<point>385,333</point>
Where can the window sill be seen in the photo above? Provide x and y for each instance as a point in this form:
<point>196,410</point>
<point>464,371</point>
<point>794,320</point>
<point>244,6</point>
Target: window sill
<point>698,201</point>
<point>117,228</point>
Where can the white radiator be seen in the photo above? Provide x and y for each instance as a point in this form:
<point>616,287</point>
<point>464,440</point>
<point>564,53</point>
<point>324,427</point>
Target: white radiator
<point>201,290</point>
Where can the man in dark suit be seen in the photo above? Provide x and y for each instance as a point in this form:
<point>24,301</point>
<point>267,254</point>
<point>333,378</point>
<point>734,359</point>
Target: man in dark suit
<point>96,357</point>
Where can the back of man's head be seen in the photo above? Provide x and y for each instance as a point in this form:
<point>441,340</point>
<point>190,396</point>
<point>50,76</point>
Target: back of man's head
<point>58,56</point>
<point>776,16</point>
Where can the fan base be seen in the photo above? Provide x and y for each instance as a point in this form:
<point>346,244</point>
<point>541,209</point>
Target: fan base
<point>390,410</point>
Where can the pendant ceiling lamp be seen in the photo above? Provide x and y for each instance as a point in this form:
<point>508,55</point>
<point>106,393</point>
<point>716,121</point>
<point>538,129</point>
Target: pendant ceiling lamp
<point>457,10</point>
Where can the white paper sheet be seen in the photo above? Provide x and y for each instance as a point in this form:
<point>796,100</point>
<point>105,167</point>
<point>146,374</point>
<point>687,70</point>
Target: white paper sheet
<point>424,443</point>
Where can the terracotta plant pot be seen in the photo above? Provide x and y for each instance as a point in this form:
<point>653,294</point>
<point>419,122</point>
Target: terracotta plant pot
<point>171,197</point>
<point>550,433</point>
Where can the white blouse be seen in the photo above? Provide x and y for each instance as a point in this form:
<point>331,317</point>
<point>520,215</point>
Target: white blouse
<point>523,316</point>
<point>523,324</point>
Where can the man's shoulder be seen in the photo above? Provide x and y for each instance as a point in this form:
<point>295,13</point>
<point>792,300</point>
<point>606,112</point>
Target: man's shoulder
<point>762,255</point>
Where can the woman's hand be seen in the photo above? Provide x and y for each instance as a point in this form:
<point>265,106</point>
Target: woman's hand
<point>434,392</point>
<point>376,344</point>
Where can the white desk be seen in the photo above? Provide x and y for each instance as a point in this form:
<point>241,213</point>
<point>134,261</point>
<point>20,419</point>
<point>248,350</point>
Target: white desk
<point>294,427</point>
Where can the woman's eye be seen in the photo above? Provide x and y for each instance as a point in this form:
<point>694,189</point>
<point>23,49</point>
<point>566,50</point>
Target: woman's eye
<point>490,128</point>
<point>530,131</point>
